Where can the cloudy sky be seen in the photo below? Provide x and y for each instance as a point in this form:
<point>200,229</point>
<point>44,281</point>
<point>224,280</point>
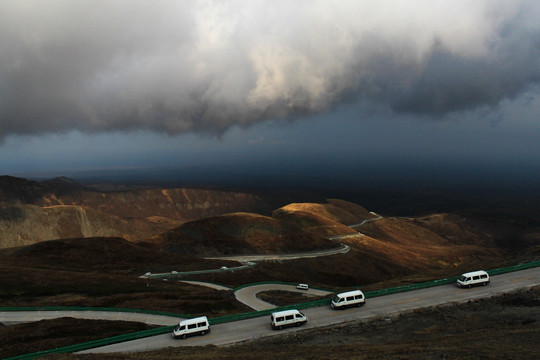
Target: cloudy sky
<point>89,85</point>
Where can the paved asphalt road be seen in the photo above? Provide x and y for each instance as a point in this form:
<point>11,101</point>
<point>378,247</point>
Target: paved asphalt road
<point>248,295</point>
<point>383,306</point>
<point>13,317</point>
<point>342,249</point>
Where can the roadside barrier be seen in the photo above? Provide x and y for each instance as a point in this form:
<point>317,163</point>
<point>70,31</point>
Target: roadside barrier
<point>513,268</point>
<point>236,317</point>
<point>96,343</point>
<point>178,274</point>
<point>368,294</point>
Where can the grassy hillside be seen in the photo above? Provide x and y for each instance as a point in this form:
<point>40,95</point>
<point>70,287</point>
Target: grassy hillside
<point>292,228</point>
<point>33,211</point>
<point>387,252</point>
<point>239,233</point>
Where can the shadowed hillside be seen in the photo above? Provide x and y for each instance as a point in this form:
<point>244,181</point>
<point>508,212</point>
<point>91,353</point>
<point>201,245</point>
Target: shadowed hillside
<point>394,258</point>
<point>100,254</point>
<point>387,251</point>
<point>239,233</point>
<point>380,249</point>
<point>292,228</point>
<point>104,272</point>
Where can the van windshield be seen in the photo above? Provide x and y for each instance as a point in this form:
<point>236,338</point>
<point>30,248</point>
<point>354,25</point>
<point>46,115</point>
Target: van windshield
<point>462,278</point>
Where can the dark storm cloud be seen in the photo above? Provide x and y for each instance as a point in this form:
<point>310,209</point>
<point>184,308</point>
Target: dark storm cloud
<point>451,83</point>
<point>186,66</point>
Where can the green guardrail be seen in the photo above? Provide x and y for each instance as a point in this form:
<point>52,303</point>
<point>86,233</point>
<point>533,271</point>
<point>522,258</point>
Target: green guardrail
<point>96,343</point>
<point>368,294</point>
<point>513,268</point>
<point>253,314</point>
<point>196,272</point>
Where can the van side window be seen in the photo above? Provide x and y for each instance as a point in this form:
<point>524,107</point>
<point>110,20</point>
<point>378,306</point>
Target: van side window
<point>201,324</point>
<point>192,326</point>
<point>483,276</point>
<point>299,316</point>
<point>183,327</point>
<point>468,279</point>
<point>289,317</point>
<point>280,319</point>
<point>358,297</point>
<point>350,298</point>
<point>477,277</point>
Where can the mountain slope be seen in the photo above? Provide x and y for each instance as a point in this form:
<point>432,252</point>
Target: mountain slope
<point>238,233</point>
<point>32,211</point>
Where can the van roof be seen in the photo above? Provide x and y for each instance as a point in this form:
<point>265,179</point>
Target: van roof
<point>285,312</point>
<point>349,293</point>
<point>472,273</point>
<point>194,320</point>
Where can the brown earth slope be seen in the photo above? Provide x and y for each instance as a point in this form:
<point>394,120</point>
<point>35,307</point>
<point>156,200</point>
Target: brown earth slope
<point>104,255</point>
<point>104,272</point>
<point>387,248</point>
<point>32,211</point>
<point>292,228</point>
<point>239,233</point>
<point>400,249</point>
<point>341,211</point>
<point>442,242</point>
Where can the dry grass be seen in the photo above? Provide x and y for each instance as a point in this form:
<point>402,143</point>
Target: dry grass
<point>239,233</point>
<point>42,335</point>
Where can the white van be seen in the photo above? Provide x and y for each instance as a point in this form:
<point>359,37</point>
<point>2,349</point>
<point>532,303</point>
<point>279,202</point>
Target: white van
<point>282,319</point>
<point>349,298</point>
<point>193,326</point>
<point>473,278</point>
<point>302,287</point>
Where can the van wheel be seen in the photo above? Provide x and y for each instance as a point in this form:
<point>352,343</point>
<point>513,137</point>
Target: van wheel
<point>184,336</point>
<point>298,324</point>
<point>203,332</point>
<point>484,284</point>
<point>280,327</point>
<point>470,286</point>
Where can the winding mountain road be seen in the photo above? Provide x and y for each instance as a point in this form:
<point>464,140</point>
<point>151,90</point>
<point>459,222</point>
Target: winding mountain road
<point>248,294</point>
<point>383,306</point>
<point>250,259</point>
<point>342,249</point>
<point>245,330</point>
<point>14,317</point>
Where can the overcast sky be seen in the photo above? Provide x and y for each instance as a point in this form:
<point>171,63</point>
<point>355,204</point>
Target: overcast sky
<point>127,84</point>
